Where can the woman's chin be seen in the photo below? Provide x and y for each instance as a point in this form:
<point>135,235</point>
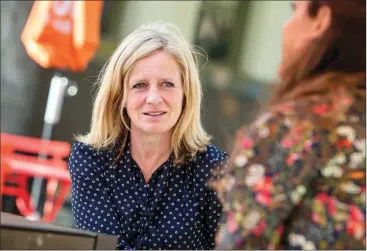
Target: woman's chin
<point>155,129</point>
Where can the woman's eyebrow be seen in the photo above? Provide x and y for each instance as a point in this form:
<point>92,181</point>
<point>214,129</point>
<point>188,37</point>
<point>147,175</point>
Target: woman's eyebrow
<point>138,80</point>
<point>168,79</point>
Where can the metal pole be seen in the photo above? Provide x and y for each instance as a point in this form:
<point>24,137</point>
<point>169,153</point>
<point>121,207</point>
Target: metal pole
<point>54,104</point>
<point>37,182</point>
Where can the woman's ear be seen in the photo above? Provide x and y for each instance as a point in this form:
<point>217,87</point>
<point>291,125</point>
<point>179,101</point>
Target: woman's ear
<point>321,21</point>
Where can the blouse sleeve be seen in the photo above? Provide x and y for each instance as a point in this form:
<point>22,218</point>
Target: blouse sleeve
<point>270,172</point>
<point>214,206</point>
<point>92,206</point>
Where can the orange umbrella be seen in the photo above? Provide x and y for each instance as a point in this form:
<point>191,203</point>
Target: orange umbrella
<point>63,34</point>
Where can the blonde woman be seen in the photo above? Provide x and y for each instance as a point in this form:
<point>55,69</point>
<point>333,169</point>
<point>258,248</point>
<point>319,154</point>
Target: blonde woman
<point>141,172</point>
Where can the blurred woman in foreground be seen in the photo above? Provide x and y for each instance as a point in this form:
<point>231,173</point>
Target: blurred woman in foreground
<point>298,174</point>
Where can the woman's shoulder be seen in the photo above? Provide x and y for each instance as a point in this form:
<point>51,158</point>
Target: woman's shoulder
<point>208,163</point>
<point>83,150</point>
<point>211,157</point>
<point>213,153</point>
<point>323,114</point>
<point>88,158</point>
<point>313,125</point>
<point>335,107</point>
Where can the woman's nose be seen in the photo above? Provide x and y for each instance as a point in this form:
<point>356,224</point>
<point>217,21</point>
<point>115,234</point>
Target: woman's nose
<point>154,96</point>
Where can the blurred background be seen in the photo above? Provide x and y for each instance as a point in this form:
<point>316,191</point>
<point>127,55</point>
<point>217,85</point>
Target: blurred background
<point>241,38</point>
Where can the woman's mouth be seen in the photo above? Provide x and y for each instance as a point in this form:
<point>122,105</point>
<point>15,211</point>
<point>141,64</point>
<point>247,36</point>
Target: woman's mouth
<point>154,114</point>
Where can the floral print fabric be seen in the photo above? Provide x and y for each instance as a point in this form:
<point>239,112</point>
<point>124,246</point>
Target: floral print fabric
<point>297,179</point>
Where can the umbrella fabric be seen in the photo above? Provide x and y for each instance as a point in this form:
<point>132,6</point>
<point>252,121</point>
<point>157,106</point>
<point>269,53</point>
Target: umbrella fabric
<point>63,34</point>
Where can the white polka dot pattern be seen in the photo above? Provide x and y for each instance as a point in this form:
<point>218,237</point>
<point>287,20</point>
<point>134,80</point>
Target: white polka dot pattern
<point>174,210</point>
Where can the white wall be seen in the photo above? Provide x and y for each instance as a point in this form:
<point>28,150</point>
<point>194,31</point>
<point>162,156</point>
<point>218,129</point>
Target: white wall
<point>261,45</point>
<point>184,14</point>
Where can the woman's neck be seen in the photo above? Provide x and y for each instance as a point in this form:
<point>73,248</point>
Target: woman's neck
<point>150,151</point>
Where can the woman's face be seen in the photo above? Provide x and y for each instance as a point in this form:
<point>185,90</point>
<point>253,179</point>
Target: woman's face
<point>155,94</point>
<point>299,32</point>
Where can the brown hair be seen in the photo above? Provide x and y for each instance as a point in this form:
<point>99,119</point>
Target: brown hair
<point>341,51</point>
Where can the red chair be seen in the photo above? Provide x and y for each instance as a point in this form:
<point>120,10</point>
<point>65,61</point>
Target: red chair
<point>20,161</point>
<point>4,168</point>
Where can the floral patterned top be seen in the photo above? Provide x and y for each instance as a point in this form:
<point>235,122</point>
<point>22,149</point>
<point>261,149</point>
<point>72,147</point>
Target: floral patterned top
<point>297,179</point>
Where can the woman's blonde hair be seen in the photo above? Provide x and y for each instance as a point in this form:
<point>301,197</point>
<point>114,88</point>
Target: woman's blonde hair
<point>110,122</point>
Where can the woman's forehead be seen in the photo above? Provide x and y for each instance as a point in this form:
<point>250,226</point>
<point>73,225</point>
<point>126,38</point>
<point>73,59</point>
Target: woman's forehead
<point>160,64</point>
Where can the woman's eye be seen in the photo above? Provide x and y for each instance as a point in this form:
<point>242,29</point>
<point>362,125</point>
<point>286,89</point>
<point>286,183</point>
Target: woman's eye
<point>168,84</point>
<point>139,85</point>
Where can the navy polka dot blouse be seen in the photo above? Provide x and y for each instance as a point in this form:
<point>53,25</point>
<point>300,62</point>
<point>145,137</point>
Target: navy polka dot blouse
<point>174,210</point>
